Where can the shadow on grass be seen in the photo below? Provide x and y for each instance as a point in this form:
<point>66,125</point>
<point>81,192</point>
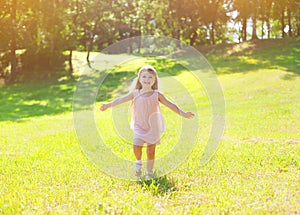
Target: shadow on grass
<point>40,98</point>
<point>112,82</point>
<point>24,100</point>
<point>166,67</point>
<point>52,97</point>
<point>158,185</point>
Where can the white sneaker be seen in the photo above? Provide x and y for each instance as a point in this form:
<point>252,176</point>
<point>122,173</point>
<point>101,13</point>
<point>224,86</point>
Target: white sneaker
<point>138,168</point>
<point>138,173</point>
<point>149,175</point>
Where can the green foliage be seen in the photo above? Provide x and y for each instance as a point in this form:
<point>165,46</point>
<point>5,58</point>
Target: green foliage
<point>84,25</point>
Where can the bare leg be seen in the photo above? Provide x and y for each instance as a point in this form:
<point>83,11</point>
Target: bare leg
<point>150,158</point>
<point>151,151</point>
<point>137,149</point>
<point>137,152</point>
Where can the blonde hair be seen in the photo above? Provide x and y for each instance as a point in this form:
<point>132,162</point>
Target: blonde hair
<point>136,84</point>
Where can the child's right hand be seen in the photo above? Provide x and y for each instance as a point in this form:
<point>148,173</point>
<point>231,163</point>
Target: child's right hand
<point>104,107</point>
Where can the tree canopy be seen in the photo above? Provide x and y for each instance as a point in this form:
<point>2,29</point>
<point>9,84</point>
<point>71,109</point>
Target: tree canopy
<point>35,33</point>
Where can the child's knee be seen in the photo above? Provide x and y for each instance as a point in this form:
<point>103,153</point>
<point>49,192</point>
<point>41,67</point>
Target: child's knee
<point>151,149</point>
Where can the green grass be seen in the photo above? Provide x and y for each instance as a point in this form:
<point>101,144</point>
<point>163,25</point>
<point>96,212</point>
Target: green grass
<point>252,56</point>
<point>255,170</point>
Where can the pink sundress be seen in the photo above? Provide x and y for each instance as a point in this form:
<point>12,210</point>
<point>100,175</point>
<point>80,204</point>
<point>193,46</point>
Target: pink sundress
<point>147,121</point>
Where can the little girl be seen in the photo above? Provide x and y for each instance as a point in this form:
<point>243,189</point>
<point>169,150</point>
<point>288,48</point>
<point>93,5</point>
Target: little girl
<point>147,121</point>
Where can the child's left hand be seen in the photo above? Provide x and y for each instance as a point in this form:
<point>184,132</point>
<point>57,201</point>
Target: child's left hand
<point>188,115</point>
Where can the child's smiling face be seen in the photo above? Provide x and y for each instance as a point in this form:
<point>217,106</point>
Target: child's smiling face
<point>147,79</point>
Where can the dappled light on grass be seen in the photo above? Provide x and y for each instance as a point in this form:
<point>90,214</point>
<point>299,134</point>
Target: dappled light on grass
<point>241,47</point>
<point>253,56</point>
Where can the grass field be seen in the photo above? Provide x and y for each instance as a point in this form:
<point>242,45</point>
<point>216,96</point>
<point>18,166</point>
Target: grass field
<point>256,169</point>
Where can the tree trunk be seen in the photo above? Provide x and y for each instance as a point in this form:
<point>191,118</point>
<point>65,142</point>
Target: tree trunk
<point>244,30</point>
<point>268,14</point>
<point>91,41</point>
<point>13,42</point>
<point>193,37</point>
<point>52,31</point>
<point>254,34</point>
<point>140,40</point>
<point>88,56</point>
<point>212,33</point>
<point>290,23</point>
<point>262,29</point>
<point>178,38</point>
<point>88,59</point>
<point>70,62</point>
<point>269,28</point>
<point>282,23</point>
<point>298,27</point>
<point>89,49</point>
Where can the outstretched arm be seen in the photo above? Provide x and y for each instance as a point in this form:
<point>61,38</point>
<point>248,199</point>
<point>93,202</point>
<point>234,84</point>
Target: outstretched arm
<point>174,107</point>
<point>117,101</point>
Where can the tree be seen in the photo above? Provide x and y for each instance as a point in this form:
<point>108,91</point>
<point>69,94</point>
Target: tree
<point>293,12</point>
<point>297,18</point>
<point>8,32</point>
<point>254,5</point>
<point>13,41</point>
<point>265,9</point>
<point>244,12</point>
<point>178,16</point>
<point>279,11</point>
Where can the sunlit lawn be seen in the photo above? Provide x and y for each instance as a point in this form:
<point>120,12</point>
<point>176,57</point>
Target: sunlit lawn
<point>255,170</point>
